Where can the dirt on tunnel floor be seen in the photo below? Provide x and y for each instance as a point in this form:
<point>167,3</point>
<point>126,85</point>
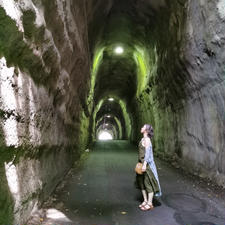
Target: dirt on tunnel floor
<point>101,191</point>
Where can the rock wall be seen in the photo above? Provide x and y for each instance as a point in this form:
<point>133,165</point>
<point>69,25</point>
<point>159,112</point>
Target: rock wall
<point>185,97</point>
<point>44,69</point>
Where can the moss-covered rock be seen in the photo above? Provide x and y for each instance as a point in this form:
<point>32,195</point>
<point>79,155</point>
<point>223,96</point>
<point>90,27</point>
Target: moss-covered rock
<point>17,52</point>
<point>44,114</point>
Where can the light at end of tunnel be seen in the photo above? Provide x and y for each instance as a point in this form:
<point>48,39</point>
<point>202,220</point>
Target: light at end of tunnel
<point>108,116</point>
<point>111,99</point>
<point>119,50</point>
<point>104,135</point>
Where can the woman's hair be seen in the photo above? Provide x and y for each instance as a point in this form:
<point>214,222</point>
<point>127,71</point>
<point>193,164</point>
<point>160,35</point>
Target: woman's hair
<point>149,130</point>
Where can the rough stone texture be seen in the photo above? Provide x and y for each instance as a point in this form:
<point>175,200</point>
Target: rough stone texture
<point>171,75</point>
<point>186,95</point>
<point>44,69</point>
<point>178,84</point>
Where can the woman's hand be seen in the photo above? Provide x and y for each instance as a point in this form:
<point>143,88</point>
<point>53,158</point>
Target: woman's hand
<point>143,169</point>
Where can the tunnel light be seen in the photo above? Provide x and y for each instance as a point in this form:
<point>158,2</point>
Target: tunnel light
<point>119,50</point>
<point>108,116</point>
<point>104,135</point>
<point>111,99</point>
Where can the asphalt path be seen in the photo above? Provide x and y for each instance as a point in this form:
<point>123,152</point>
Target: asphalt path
<point>102,192</point>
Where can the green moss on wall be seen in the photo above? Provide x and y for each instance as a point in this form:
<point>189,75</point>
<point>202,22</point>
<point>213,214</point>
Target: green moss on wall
<point>141,58</point>
<point>28,19</point>
<point>126,116</point>
<point>31,31</point>
<point>95,66</point>
<point>84,132</point>
<point>17,52</point>
<point>119,127</point>
<point>6,200</point>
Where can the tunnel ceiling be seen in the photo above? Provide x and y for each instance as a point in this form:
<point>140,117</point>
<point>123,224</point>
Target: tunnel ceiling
<point>116,76</point>
<point>126,24</point>
<point>113,23</point>
<point>106,15</point>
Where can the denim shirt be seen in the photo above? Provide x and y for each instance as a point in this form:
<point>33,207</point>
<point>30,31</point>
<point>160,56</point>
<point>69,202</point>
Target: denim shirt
<point>150,160</point>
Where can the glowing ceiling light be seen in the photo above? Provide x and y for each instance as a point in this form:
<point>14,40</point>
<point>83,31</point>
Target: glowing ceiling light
<point>105,136</point>
<point>111,99</point>
<point>119,50</point>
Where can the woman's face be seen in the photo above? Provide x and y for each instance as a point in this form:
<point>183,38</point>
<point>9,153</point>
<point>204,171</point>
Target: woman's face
<point>143,129</point>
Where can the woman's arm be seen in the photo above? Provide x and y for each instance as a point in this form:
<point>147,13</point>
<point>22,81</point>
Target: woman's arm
<point>148,153</point>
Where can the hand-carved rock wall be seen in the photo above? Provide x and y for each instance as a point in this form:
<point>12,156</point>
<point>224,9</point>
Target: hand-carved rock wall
<point>44,73</point>
<point>172,75</point>
<point>185,98</point>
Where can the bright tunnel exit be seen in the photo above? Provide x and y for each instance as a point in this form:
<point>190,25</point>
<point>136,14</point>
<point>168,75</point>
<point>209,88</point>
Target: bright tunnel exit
<point>104,135</point>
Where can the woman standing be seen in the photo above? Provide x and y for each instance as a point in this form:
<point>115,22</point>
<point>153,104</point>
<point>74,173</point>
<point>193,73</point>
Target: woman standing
<point>148,182</point>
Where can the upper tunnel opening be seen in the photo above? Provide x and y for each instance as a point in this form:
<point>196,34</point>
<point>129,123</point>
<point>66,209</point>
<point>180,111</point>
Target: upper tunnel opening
<point>116,76</point>
<point>132,25</point>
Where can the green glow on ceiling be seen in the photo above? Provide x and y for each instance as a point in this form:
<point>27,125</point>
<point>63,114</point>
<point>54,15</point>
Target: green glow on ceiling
<point>141,58</point>
<point>97,60</point>
<point>126,116</point>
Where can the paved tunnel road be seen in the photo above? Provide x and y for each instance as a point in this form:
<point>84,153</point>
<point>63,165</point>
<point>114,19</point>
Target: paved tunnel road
<point>103,193</point>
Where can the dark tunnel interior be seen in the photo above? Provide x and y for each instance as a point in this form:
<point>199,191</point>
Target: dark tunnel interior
<point>72,70</point>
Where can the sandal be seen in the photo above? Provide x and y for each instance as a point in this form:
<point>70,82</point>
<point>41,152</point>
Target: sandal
<point>144,203</point>
<point>147,207</point>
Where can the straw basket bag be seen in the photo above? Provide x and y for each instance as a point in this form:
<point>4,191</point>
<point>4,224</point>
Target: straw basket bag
<point>138,168</point>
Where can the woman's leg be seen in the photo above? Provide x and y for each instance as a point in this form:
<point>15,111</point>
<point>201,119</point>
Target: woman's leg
<point>149,187</point>
<point>141,186</point>
<point>144,194</point>
<point>149,204</point>
<point>150,197</point>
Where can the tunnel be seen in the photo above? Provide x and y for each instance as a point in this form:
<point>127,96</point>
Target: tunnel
<point>73,70</point>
